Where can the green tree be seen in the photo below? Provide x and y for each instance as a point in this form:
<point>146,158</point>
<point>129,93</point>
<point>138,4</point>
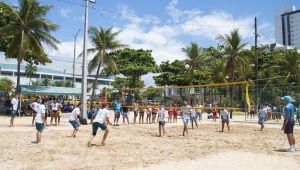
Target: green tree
<point>58,84</point>
<point>29,29</point>
<point>6,85</point>
<point>46,82</point>
<point>196,60</point>
<point>68,83</point>
<point>133,64</point>
<point>30,69</point>
<point>233,48</point>
<point>152,93</point>
<point>103,41</point>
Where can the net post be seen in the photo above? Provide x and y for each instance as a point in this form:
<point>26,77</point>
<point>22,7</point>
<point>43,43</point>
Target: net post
<point>105,95</point>
<point>122,96</point>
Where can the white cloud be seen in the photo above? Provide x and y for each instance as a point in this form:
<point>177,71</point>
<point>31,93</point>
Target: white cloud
<point>65,12</point>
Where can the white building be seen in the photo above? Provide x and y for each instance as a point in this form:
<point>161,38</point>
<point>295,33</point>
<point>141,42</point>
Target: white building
<point>10,71</point>
<point>287,27</point>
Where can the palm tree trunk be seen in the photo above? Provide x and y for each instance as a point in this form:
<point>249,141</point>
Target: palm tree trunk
<point>94,86</point>
<point>231,90</point>
<point>18,89</point>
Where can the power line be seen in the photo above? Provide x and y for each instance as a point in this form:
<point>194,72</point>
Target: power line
<point>102,10</point>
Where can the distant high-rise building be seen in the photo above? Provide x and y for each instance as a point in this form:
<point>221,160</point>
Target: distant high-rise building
<point>287,27</point>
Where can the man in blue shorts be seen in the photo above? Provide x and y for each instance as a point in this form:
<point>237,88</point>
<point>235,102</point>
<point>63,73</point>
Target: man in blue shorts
<point>288,123</point>
<point>185,117</point>
<point>262,116</point>
<point>117,109</point>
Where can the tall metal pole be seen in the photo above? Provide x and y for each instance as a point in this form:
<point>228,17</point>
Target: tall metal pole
<point>256,67</point>
<point>84,64</point>
<point>74,63</point>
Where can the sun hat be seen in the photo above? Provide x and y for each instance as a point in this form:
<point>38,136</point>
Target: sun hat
<point>288,98</point>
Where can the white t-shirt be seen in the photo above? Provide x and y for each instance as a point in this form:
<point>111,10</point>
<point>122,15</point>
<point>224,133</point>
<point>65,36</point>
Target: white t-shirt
<point>72,114</point>
<point>38,117</point>
<point>101,115</point>
<point>36,106</point>
<point>54,106</point>
<point>193,113</point>
<point>161,114</point>
<point>263,112</point>
<point>224,113</point>
<point>185,115</point>
<point>14,103</point>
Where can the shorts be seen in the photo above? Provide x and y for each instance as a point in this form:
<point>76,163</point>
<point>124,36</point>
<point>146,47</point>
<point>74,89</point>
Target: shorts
<point>289,128</point>
<point>225,120</point>
<point>59,113</point>
<point>117,114</point>
<point>135,113</point>
<point>13,113</point>
<point>96,125</point>
<point>74,124</point>
<point>39,126</point>
<point>54,113</point>
<point>125,115</point>
<point>161,123</point>
<point>154,113</point>
<point>261,120</point>
<point>148,112</point>
<point>185,121</point>
<point>193,118</point>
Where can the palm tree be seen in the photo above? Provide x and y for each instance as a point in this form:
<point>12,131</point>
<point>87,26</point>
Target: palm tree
<point>196,59</point>
<point>29,29</point>
<point>45,82</point>
<point>233,48</point>
<point>30,69</point>
<point>103,41</point>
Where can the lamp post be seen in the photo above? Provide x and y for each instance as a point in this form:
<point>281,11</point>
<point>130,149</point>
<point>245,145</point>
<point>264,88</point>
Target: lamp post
<point>74,62</point>
<point>84,63</point>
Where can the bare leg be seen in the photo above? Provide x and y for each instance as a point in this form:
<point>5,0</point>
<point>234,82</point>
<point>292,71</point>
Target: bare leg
<point>39,137</point>
<point>74,132</point>
<point>90,140</point>
<point>12,122</point>
<point>163,127</point>
<point>33,118</point>
<point>228,126</point>
<point>105,136</point>
<point>192,124</point>
<point>159,130</point>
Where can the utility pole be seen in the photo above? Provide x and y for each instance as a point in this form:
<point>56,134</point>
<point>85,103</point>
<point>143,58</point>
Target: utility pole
<point>84,65</point>
<point>84,62</point>
<point>74,62</point>
<point>256,67</point>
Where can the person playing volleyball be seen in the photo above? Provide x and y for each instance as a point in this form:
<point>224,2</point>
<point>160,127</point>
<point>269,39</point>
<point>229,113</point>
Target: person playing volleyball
<point>185,117</point>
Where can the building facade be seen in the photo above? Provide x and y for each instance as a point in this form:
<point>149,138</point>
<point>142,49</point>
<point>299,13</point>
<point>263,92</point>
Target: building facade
<point>10,71</point>
<point>287,27</point>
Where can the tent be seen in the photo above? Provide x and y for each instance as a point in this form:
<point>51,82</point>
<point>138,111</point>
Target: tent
<point>49,90</point>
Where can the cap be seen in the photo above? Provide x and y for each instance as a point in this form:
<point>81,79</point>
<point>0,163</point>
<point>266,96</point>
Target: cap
<point>104,105</point>
<point>288,98</point>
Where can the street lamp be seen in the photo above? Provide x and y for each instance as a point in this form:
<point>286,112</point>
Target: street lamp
<point>74,63</point>
<point>84,63</point>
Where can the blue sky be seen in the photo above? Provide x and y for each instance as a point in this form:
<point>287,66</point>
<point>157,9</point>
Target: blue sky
<point>164,26</point>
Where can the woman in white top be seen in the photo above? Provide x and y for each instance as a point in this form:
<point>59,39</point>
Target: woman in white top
<point>35,108</point>
<point>225,118</point>
<point>102,116</point>
<point>54,108</point>
<point>14,109</point>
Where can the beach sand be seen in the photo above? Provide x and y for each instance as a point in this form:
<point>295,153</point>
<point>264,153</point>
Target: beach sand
<point>138,147</point>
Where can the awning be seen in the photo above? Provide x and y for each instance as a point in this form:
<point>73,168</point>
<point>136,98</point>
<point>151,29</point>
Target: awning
<point>49,90</point>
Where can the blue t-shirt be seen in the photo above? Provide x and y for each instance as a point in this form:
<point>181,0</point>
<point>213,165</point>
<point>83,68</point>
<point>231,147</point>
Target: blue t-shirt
<point>289,109</point>
<point>117,107</point>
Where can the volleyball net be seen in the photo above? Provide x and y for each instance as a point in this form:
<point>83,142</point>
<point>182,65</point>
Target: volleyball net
<point>232,95</point>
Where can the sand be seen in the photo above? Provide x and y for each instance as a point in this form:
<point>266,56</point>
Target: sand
<point>138,147</point>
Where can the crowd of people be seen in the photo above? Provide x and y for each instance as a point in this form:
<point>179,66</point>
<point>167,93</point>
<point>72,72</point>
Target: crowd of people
<point>43,108</point>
